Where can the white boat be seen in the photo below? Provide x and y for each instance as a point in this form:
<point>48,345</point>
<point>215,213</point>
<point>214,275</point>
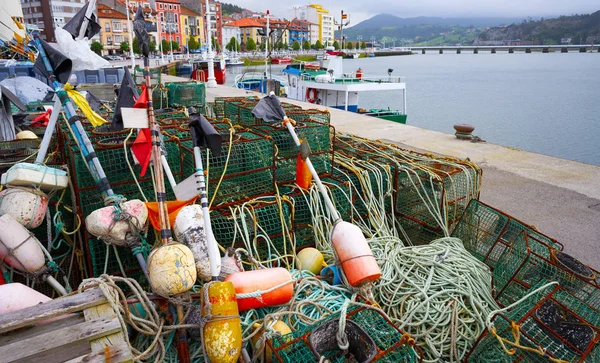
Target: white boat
<point>234,62</point>
<point>329,86</point>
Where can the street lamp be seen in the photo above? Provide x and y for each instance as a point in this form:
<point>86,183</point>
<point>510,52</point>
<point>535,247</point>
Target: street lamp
<point>211,81</point>
<point>129,31</point>
<point>372,43</point>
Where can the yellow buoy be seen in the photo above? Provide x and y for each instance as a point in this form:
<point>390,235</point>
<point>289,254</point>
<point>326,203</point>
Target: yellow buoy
<point>258,343</point>
<point>310,259</point>
<point>171,269</point>
<point>222,337</point>
<point>26,135</point>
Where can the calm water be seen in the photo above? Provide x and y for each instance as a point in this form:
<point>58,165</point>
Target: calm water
<point>545,103</point>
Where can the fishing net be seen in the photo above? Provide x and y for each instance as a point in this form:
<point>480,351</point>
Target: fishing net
<point>552,323</point>
<point>390,342</point>
<point>243,169</point>
<point>488,232</point>
<point>320,138</point>
<point>530,260</point>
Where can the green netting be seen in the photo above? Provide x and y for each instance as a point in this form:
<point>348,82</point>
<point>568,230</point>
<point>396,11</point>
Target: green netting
<point>320,138</point>
<point>312,114</point>
<point>527,262</point>
<point>295,347</point>
<point>534,333</point>
<point>219,103</point>
<point>13,152</point>
<point>264,221</point>
<point>487,232</point>
<point>155,75</point>
<point>246,118</point>
<point>187,94</point>
<point>249,163</point>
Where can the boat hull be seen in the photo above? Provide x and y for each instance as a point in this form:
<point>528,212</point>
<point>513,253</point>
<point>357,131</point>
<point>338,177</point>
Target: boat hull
<point>396,118</point>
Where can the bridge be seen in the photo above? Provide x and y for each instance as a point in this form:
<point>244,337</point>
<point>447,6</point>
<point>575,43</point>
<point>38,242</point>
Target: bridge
<point>565,48</point>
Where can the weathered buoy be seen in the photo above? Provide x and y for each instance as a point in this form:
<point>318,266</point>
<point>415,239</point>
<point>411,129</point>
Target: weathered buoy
<point>171,269</point>
<point>310,259</point>
<point>19,248</point>
<point>26,135</point>
<point>222,337</point>
<point>39,176</point>
<point>258,344</point>
<point>353,251</point>
<point>26,205</point>
<point>17,296</point>
<point>189,230</point>
<point>101,224</point>
<point>331,274</point>
<point>463,131</point>
<point>254,287</point>
<point>229,264</point>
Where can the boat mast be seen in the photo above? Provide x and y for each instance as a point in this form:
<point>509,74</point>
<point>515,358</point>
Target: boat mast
<point>267,36</point>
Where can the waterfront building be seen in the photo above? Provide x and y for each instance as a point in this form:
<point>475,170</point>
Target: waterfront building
<point>48,14</point>
<point>250,28</point>
<point>231,31</point>
<point>12,8</point>
<point>114,29</point>
<point>192,27</point>
<point>169,24</point>
<point>315,13</point>
<point>308,31</point>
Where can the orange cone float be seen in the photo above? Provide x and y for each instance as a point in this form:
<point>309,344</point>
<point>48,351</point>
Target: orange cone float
<point>354,253</point>
<point>262,288</point>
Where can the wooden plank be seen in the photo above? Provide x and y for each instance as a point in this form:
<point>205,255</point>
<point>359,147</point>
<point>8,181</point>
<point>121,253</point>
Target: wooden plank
<point>60,306</point>
<point>57,354</point>
<point>117,353</point>
<point>100,346</point>
<point>83,332</point>
<point>29,332</point>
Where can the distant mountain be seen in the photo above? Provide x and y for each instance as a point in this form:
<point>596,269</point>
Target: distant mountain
<point>579,28</point>
<point>388,20</point>
<point>227,9</point>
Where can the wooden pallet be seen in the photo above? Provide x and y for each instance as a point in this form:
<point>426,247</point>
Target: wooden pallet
<point>77,328</point>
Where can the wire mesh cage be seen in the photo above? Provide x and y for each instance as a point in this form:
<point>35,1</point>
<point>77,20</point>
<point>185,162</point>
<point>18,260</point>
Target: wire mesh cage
<point>240,112</point>
<point>391,344</point>
<point>262,226</point>
<point>15,151</point>
<point>529,260</point>
<point>550,324</point>
<point>243,169</point>
<point>188,94</point>
<point>219,104</point>
<point>155,75</point>
<point>313,114</point>
<point>319,137</point>
<point>487,232</point>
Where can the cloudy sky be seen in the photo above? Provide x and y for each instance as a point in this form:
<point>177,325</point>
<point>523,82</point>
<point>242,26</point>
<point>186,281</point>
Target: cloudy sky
<point>362,9</point>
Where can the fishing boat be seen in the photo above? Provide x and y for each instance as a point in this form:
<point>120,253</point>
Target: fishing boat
<point>200,70</point>
<point>281,60</point>
<point>234,62</point>
<point>329,86</point>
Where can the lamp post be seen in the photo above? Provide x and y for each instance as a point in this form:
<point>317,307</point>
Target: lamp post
<point>211,82</point>
<point>372,43</point>
<point>129,26</point>
<point>394,40</point>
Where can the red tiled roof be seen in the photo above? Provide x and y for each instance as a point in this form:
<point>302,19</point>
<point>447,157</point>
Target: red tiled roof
<point>246,23</point>
<point>108,13</point>
<point>186,11</point>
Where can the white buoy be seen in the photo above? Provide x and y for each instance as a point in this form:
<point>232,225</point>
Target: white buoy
<point>26,205</point>
<point>101,222</point>
<point>189,230</point>
<point>40,176</point>
<point>17,296</point>
<point>18,247</point>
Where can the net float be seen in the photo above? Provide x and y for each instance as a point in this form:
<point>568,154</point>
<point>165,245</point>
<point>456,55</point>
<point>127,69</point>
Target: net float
<point>355,255</point>
<point>18,247</point>
<point>262,288</point>
<point>229,264</point>
<point>310,259</point>
<point>258,344</point>
<point>101,222</point>
<point>223,336</point>
<point>189,230</point>
<point>171,269</point>
<point>39,176</point>
<point>17,296</point>
<point>27,205</point>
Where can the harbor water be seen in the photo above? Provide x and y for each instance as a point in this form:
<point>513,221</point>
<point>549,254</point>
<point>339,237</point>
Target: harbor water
<point>544,103</point>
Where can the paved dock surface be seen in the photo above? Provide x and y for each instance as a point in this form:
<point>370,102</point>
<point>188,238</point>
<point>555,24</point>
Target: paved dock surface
<point>559,197</point>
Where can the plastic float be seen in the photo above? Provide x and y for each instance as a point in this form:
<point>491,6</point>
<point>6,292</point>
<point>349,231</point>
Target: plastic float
<point>26,205</point>
<point>101,222</point>
<point>262,288</point>
<point>258,344</point>
<point>27,175</point>
<point>310,259</point>
<point>17,296</point>
<point>222,336</point>
<point>189,230</point>
<point>21,250</point>
<point>269,109</point>
<point>171,269</point>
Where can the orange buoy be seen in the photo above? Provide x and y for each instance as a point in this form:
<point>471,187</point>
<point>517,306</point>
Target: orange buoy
<point>255,287</point>
<point>353,251</point>
<point>303,175</point>
<point>222,336</point>
<point>359,73</point>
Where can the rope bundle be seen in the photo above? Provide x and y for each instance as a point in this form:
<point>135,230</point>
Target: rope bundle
<point>437,293</point>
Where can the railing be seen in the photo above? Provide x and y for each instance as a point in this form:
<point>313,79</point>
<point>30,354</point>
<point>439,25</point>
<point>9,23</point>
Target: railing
<point>350,78</point>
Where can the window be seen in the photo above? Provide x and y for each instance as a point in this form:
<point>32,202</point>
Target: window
<point>160,6</point>
<point>176,18</point>
<point>109,40</point>
<point>118,39</point>
<point>185,21</point>
<point>117,26</point>
<point>107,26</point>
<point>162,17</point>
<point>177,39</point>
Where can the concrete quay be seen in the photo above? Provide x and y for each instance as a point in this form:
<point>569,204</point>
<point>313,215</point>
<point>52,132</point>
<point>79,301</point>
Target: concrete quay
<point>559,197</point>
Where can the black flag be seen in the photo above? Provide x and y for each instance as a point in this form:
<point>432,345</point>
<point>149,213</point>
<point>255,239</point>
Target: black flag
<point>61,65</point>
<point>127,95</point>
<point>139,28</point>
<point>204,134</point>
<point>269,109</point>
<point>74,25</point>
